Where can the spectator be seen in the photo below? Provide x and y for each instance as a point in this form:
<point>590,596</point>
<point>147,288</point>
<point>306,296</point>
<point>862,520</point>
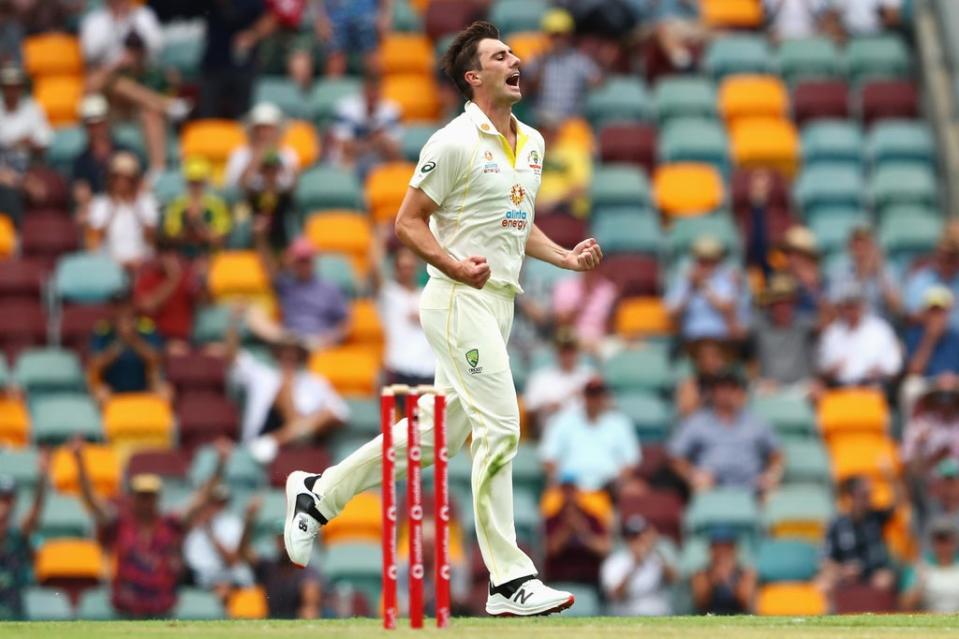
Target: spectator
<point>944,270</point>
<point>559,386</point>
<point>123,220</point>
<point>15,551</point>
<point>562,75</point>
<point>104,31</point>
<point>291,592</point>
<point>592,445</point>
<point>932,585</point>
<point>313,309</point>
<point>145,542</point>
<point>90,170</point>
<point>756,224</point>
<point>710,357</point>
<point>678,38</point>
<point>584,302</point>
<point>246,168</point>
<point>125,354</point>
<point>932,435</point>
<point>709,299</point>
<point>198,221</point>
<point>165,290</point>
<point>566,174</point>
<point>784,343</point>
<point>932,347</point>
<point>726,444</point>
<point>24,132</point>
<point>213,547</point>
<point>352,27</point>
<point>857,348</point>
<point>945,491</point>
<point>11,34</point>
<point>724,586</point>
<point>793,19</point>
<point>636,578</point>
<point>283,403</point>
<point>865,265</point>
<point>801,251</point>
<point>849,18</point>
<point>367,130</point>
<point>855,550</point>
<point>577,537</point>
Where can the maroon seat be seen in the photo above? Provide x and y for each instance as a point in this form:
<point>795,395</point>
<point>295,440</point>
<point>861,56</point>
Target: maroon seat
<point>778,192</point>
<point>444,17</point>
<point>663,509</point>
<point>54,194</point>
<point>292,458</point>
<point>23,324</point>
<point>820,99</point>
<point>857,599</point>
<point>48,234</point>
<point>565,230</point>
<point>655,459</point>
<point>205,417</point>
<point>630,143</point>
<point>77,323</point>
<point>166,463</point>
<point>633,274</point>
<point>196,371</point>
<point>889,99</point>
<point>21,279</point>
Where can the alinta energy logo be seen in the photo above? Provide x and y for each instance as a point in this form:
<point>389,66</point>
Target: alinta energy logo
<point>516,218</point>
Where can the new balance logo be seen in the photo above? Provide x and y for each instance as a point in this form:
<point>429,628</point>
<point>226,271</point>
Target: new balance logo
<point>302,525</point>
<point>521,596</point>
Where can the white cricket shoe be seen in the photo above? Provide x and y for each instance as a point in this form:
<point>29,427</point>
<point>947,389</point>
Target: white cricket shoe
<point>302,521</point>
<point>530,598</point>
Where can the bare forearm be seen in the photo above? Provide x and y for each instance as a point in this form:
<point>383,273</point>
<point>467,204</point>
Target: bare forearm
<point>415,233</point>
<point>542,248</point>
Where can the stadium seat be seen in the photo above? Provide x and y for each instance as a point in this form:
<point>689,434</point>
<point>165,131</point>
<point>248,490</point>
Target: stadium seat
<point>385,188</point>
<point>212,139</point>
<point>628,143</point>
<point>88,277</point>
<point>344,232</point>
<point>789,415</point>
<point>662,508</point>
<point>513,17</point>
<point>103,466</point>
<point>351,369</point>
<point>49,370</point>
<point>746,95</point>
<point>853,410</point>
<point>77,323</point>
<point>416,95</point>
<point>284,93</point>
<point>765,143</point>
<point>832,141</point>
<point>328,187</point>
<point>183,54</point>
<point>292,458</point>
<point>14,422</point>
<point>443,18</point>
<point>21,280</point>
<point>619,99</point>
<point>637,369</point>
<point>22,464</point>
<point>786,560</point>
<point>651,415</point>
<point>642,317</point>
<point>625,232</point>
<point>686,230</point>
<point>806,462</point>
<point>892,141</point>
<point>414,138</point>
<point>684,96</point>
<point>527,45</point>
<point>247,603</point>
<point>906,238</point>
<point>364,416</point>
<point>562,228</point>
<point>406,53</point>
<point>884,56</point>
<point>829,185</point>
<point>695,140</point>
<point>803,59</point>
<point>237,274</point>
<point>870,454</point>
<point>688,189</point>
<point>52,54</point>
<point>196,370</point>
<point>4,372</point>
<point>69,560</point>
<point>790,600</point>
<point>8,237</point>
<point>903,183</point>
<point>139,419</point>
<point>204,417</point>
<point>326,95</point>
<point>168,464</point>
<point>339,270</point>
<point>64,516</point>
<point>58,96</point>
<point>46,604</point>
<point>798,511</point>
<point>194,604</point>
<point>242,473</point>
<point>23,325</point>
<point>619,184</point>
<point>732,14</point>
<point>738,54</point>
<point>818,99</point>
<point>365,326</point>
<point>889,99</point>
<point>95,605</point>
<point>58,418</point>
<point>67,143</point>
<point>832,228</point>
<point>359,522</point>
<point>857,599</point>
<point>633,275</point>
<point>210,323</point>
<point>45,235</point>
<point>732,507</point>
<point>357,564</point>
<point>301,136</point>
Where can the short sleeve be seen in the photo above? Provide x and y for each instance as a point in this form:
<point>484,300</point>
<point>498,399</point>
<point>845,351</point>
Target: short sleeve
<point>99,213</point>
<point>613,571</point>
<point>246,369</point>
<point>441,164</point>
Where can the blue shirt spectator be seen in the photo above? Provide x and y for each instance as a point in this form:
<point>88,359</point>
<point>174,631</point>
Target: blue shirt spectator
<point>943,270</point>
<point>932,347</point>
<point>863,263</point>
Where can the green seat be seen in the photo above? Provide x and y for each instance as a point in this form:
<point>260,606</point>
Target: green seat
<point>269,521</point>
<point>42,370</point>
<point>905,238</point>
<point>57,418</point>
<point>685,231</point>
<point>728,507</point>
<point>685,96</point>
<point>4,371</point>
<point>528,470</point>
<point>168,185</point>
<point>459,470</point>
<point>357,564</point>
<point>95,605</point>
<point>526,516</point>
<point>786,560</point>
<point>619,185</point>
<point>285,94</point>
<point>21,464</point>
<point>832,141</point>
<point>241,471</point>
<point>405,18</point>
<point>809,59</point>
<point>827,185</point>
<point>640,369</point>
<point>195,604</point>
<point>807,462</point>
<point>364,416</point>
<point>893,141</point>
<point>541,276</point>
<point>588,602</point>
<point>798,503</point>
<point>695,140</point>
<point>884,56</point>
<point>210,323</point>
<point>787,414</point>
<point>694,555</point>
<point>738,54</point>
<point>130,135</point>
<point>88,277</point>
<point>832,232</point>
<point>327,93</point>
<point>619,99</point>
<point>414,139</point>
<point>64,516</point>
<point>338,269</point>
<point>67,143</point>
<point>627,233</point>
<point>900,183</point>
<point>46,604</point>
<point>328,187</point>
<point>184,55</point>
<point>511,16</point>
<point>651,415</point>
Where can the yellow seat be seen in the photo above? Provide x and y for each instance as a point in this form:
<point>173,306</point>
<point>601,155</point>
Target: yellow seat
<point>385,188</point>
<point>247,603</point>
<point>51,54</point>
<point>365,325</point>
<point>69,559</point>
<point>406,53</point>
<point>765,143</point>
<point>8,237</point>
<point>59,96</point>
<point>14,422</point>
<point>416,95</point>
<point>595,502</point>
<point>352,369</point>
<point>212,139</point>
<point>527,45</point>
<point>576,132</point>
<point>361,520</point>
<point>102,463</point>
<point>300,136</point>
<point>642,317</point>
<point>140,419</point>
<point>790,599</point>
<point>748,95</point>
<point>687,189</point>
<point>853,410</point>
<point>347,232</point>
<point>237,273</point>
<point>735,14</point>
<point>807,530</point>
<point>871,454</point>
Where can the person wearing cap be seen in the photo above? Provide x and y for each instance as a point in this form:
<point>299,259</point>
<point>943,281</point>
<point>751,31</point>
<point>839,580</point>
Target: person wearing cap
<point>709,299</point>
<point>16,552</point>
<point>270,204</point>
<point>725,586</point>
<point>709,357</point>
<point>197,221</point>
<point>24,129</point>
<point>122,222</point>
<point>245,166</point>
<point>166,290</point>
<point>577,527</point>
<point>857,348</point>
<point>367,130</point>
<point>784,343</point>
<point>558,386</point>
<point>726,444</point>
<point>865,264</point>
<point>943,271</point>
<point>90,169</point>
<point>562,75</point>
<point>636,579</point>
<point>932,584</point>
<point>931,433</point>
<point>800,248</point>
<point>932,347</point>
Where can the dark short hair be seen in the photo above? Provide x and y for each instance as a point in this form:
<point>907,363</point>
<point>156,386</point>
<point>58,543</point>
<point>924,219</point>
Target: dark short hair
<point>461,56</point>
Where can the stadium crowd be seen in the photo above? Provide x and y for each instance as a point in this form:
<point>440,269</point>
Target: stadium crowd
<point>752,407</point>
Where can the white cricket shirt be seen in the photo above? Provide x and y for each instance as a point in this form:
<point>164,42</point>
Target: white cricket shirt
<point>486,193</point>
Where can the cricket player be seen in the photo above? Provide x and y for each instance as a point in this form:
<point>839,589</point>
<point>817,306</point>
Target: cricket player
<point>468,212</point>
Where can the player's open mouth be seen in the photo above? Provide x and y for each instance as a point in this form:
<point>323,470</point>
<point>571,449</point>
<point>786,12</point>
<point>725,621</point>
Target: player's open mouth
<point>513,80</point>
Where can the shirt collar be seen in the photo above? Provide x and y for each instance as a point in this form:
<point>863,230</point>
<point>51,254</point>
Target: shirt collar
<point>484,124</point>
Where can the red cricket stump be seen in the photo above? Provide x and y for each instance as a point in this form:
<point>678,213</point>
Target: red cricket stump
<point>441,514</point>
<point>414,507</point>
<point>387,412</point>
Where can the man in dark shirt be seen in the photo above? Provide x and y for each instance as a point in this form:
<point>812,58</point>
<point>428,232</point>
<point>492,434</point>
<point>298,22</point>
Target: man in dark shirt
<point>89,171</point>
<point>15,551</point>
<point>291,592</point>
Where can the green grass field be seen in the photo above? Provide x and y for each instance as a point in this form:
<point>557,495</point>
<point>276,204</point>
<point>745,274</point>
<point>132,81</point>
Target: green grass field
<point>851,627</point>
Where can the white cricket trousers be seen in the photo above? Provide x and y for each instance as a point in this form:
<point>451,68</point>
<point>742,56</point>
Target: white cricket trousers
<point>468,330</point>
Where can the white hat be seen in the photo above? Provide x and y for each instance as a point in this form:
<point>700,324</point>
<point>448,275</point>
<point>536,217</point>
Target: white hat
<point>93,108</point>
<point>266,113</point>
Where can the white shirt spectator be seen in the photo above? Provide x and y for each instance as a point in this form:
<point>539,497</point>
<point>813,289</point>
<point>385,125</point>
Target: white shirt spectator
<point>861,17</point>
<point>647,593</point>
<point>102,34</point>
<point>261,382</point>
<point>407,351</point>
<point>794,19</point>
<point>27,121</point>
<point>124,225</point>
<point>353,120</point>
<point>859,352</point>
<point>240,158</point>
<point>552,386</point>
<point>201,556</point>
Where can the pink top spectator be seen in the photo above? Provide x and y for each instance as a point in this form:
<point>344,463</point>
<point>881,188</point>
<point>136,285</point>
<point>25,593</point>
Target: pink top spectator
<point>585,302</point>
